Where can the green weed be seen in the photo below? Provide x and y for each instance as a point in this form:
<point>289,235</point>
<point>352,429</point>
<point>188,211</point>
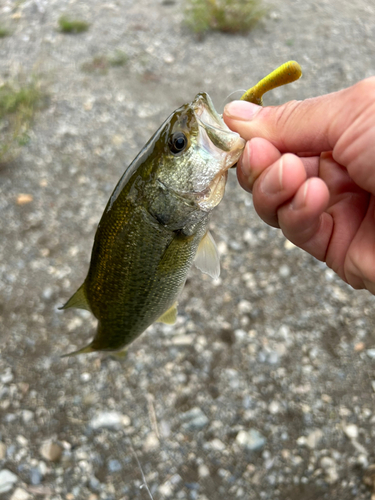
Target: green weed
<point>17,108</point>
<point>4,32</point>
<point>101,63</point>
<point>118,58</point>
<point>229,16</point>
<point>98,64</point>
<point>74,26</point>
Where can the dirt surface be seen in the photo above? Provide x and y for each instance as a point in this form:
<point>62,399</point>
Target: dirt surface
<point>264,389</point>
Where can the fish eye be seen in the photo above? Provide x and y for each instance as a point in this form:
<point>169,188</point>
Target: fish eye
<point>177,142</point>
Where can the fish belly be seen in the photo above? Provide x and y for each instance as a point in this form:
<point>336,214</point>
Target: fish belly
<point>136,273</point>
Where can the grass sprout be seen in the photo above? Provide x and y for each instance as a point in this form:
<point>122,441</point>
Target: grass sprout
<point>73,26</point>
<point>229,16</point>
<point>17,108</point>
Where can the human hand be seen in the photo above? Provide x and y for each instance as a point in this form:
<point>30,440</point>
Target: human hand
<point>322,196</point>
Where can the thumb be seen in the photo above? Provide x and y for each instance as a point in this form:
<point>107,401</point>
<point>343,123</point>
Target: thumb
<point>313,125</point>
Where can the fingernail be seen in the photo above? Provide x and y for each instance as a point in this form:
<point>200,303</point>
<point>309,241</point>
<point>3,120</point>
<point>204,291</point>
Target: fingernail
<point>273,180</point>
<point>299,200</point>
<point>241,110</point>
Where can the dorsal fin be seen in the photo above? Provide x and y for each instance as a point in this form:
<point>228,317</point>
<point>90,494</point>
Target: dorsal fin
<point>78,300</point>
<point>207,257</point>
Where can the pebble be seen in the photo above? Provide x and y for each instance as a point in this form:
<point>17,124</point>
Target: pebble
<point>250,238</point>
<point>251,440</point>
<point>195,420</point>
<point>216,445</point>
<point>27,416</point>
<point>23,199</point>
<point>51,451</point>
<point>20,494</point>
<point>203,471</point>
<point>3,450</point>
<point>151,442</point>
<point>244,307</point>
<point>351,431</point>
<point>35,476</point>
<point>274,407</point>
<point>313,439</point>
<point>7,480</point>
<point>6,377</point>
<point>166,489</point>
<point>371,353</point>
<point>330,468</point>
<point>109,420</point>
<point>114,465</point>
<point>284,271</point>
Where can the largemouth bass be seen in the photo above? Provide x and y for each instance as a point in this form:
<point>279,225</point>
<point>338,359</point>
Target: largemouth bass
<point>155,225</point>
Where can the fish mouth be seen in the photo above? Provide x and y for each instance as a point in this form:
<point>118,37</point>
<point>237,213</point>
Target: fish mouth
<point>219,135</point>
<point>220,143</point>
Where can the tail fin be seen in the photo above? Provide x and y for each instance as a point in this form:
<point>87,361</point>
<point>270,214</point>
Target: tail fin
<point>84,350</point>
<point>78,300</point>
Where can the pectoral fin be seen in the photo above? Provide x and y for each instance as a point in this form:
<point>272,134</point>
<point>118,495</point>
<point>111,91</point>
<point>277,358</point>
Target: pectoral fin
<point>207,257</point>
<point>78,300</point>
<point>170,316</point>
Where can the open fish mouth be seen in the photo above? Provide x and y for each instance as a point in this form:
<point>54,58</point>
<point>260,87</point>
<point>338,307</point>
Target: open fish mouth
<point>229,143</point>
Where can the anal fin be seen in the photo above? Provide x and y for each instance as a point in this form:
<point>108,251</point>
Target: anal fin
<point>78,300</point>
<point>170,316</point>
<point>207,257</point>
<point>84,350</point>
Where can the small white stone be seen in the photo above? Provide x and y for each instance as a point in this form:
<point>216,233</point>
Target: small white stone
<point>6,377</point>
<point>7,480</point>
<point>169,59</point>
<point>222,248</point>
<point>107,419</point>
<point>371,353</point>
<point>329,466</point>
<point>20,494</point>
<point>314,438</point>
<point>274,407</point>
<point>203,471</point>
<point>184,339</point>
<point>166,489</point>
<point>244,307</point>
<point>217,445</point>
<point>151,442</point>
<point>21,440</point>
<point>85,377</point>
<point>301,441</point>
<point>251,440</point>
<point>351,431</point>
<point>284,271</point>
<point>27,416</point>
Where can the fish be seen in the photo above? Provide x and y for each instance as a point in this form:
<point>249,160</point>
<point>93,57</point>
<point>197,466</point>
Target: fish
<point>155,225</point>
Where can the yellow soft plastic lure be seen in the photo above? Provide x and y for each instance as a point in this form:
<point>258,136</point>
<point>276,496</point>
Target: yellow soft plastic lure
<point>286,73</point>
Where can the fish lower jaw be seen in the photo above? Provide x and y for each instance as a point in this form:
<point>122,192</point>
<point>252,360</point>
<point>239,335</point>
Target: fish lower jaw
<point>212,196</point>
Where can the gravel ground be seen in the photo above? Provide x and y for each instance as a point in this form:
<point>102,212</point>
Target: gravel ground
<point>264,389</point>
